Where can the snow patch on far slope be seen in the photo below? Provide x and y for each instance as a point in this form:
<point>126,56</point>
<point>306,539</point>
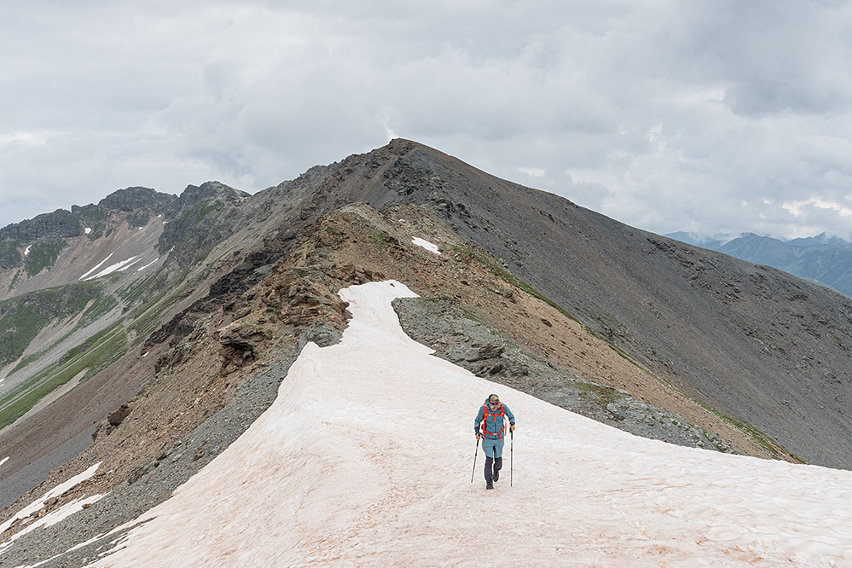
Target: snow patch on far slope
<point>97,266</point>
<point>141,268</point>
<point>426,244</point>
<point>117,267</point>
<point>363,459</point>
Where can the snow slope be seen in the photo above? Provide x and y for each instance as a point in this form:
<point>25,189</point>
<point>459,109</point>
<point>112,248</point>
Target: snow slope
<point>365,459</point>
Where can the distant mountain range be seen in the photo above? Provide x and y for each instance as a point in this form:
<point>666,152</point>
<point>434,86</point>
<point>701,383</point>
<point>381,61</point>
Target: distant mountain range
<point>822,259</point>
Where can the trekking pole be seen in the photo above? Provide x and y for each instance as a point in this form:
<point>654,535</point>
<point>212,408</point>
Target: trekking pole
<point>473,471</point>
<point>511,457</point>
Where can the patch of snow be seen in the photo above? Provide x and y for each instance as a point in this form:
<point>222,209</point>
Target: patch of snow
<point>27,250</point>
<point>73,548</point>
<point>117,267</point>
<point>88,542</point>
<point>426,244</point>
<point>98,265</point>
<point>147,265</point>
<point>364,459</point>
<point>55,516</point>
<point>87,230</point>
<point>4,460</point>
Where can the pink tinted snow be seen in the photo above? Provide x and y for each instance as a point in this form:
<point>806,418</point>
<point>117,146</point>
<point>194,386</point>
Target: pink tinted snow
<point>364,459</point>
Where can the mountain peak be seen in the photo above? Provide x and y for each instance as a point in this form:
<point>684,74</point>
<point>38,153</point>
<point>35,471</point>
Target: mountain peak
<point>132,198</point>
<point>209,190</point>
<point>190,326</point>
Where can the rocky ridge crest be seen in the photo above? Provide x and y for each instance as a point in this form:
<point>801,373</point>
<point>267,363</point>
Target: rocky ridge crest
<point>529,291</point>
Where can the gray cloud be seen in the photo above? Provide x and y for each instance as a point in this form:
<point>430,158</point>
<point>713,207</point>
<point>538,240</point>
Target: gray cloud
<point>704,116</point>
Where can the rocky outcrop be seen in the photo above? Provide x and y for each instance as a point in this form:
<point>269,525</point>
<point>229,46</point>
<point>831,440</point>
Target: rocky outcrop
<point>441,324</point>
<point>202,217</point>
<point>44,230</point>
<point>138,198</point>
<point>211,190</point>
<point>140,204</point>
<point>60,224</point>
<point>239,344</point>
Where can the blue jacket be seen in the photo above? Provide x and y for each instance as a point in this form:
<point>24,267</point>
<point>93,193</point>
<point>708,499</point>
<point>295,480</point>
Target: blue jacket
<point>494,424</point>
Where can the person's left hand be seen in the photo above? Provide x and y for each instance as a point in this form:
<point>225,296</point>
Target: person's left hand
<point>512,427</point>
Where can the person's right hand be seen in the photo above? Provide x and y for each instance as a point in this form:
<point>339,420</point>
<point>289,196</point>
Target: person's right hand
<point>478,436</point>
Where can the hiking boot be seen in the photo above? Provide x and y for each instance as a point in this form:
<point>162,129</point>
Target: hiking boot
<point>489,484</point>
<point>498,465</point>
<point>496,475</point>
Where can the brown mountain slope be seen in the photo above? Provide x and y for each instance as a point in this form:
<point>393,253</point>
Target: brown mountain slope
<point>757,344</point>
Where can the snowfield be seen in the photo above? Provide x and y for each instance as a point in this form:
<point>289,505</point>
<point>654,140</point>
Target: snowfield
<point>365,459</point>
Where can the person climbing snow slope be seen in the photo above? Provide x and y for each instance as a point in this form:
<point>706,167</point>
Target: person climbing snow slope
<point>490,427</point>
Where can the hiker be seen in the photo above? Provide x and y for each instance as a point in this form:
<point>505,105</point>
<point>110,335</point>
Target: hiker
<point>491,416</point>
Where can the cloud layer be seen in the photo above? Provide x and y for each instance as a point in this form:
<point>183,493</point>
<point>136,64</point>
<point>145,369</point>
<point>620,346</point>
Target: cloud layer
<point>706,116</point>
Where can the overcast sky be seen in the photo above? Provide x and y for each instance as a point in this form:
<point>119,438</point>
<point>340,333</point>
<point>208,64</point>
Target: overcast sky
<point>704,116</point>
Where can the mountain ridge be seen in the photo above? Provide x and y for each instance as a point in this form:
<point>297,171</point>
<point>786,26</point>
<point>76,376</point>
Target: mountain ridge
<point>203,336</point>
<point>538,226</point>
